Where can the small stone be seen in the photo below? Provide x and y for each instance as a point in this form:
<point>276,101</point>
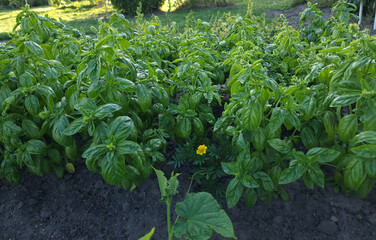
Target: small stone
<point>278,220</point>
<point>327,227</point>
<point>333,219</point>
<point>125,206</point>
<point>19,205</point>
<point>98,184</point>
<point>371,218</point>
<point>45,213</point>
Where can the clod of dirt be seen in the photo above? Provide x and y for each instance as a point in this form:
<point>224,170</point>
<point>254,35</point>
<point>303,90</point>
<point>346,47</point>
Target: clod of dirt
<point>327,227</point>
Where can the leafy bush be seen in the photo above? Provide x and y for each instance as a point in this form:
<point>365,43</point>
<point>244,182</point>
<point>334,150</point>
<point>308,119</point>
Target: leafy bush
<point>322,3</point>
<point>193,4</point>
<point>130,6</point>
<point>21,3</point>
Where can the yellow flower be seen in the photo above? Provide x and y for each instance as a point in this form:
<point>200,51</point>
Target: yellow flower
<point>201,149</point>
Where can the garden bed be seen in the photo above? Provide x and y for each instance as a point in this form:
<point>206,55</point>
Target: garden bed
<point>83,206</point>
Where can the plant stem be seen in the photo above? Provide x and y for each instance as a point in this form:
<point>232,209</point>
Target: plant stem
<point>168,203</point>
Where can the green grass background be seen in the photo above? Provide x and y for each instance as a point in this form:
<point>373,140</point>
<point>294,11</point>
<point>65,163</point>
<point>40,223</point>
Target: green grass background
<point>82,15</point>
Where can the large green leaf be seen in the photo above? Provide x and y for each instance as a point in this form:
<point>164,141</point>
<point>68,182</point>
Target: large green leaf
<point>366,151</point>
<point>121,128</point>
<point>266,181</point>
<point>184,127</point>
<point>355,173</point>
<point>35,146</point>
<point>199,214</point>
<point>106,110</point>
<point>127,147</point>
<point>347,128</point>
<point>277,119</point>
<point>95,151</point>
<point>76,126</point>
<point>252,115</point>
<point>317,175</point>
<point>234,192</point>
<point>323,155</point>
<point>280,145</point>
<point>344,100</point>
<point>250,197</point>
<point>32,105</point>
<point>292,173</point>
<point>30,128</point>
<point>34,48</point>
<point>143,96</point>
<point>58,132</point>
<point>11,129</point>
<point>113,168</point>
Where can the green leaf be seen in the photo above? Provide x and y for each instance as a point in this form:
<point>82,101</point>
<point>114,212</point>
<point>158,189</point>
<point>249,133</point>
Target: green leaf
<point>198,127</point>
<point>113,168</point>
<point>127,147</point>
<point>259,139</point>
<point>309,107</point>
<point>366,151</point>
<point>229,168</point>
<point>308,138</point>
<point>234,192</point>
<point>121,128</point>
<point>32,105</point>
<point>95,151</point>
<point>323,155</point>
<point>249,182</point>
<point>76,126</point>
<point>292,173</point>
<point>30,128</point>
<point>344,100</point>
<point>162,181</point>
<point>292,120</point>
<point>370,165</point>
<point>106,110</point>
<point>280,145</point>
<point>266,181</point>
<point>250,197</point>
<point>35,146</point>
<point>347,128</point>
<point>34,48</point>
<point>58,131</point>
<point>184,127</point>
<point>94,69</point>
<point>149,235</point>
<point>366,136</point>
<point>317,175</point>
<point>354,173</point>
<point>11,129</point>
<point>199,214</point>
<point>330,124</point>
<point>125,85</point>
<point>277,119</point>
<point>168,188</point>
<point>32,166</point>
<point>143,96</point>
<point>252,115</point>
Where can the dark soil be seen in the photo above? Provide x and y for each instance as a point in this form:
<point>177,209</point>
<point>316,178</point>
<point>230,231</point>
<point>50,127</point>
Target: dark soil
<point>83,206</point>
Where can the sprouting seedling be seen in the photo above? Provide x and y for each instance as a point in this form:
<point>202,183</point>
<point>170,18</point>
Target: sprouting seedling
<point>198,215</point>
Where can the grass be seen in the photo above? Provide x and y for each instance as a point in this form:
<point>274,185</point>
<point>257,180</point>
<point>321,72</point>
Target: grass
<point>82,15</point>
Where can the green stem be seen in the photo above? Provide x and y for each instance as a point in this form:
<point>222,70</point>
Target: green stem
<point>170,233</point>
